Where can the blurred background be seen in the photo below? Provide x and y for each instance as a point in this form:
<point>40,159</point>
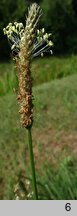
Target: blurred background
<point>55,105</point>
<point>59,17</point>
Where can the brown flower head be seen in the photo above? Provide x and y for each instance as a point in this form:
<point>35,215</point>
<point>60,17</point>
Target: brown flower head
<point>26,43</point>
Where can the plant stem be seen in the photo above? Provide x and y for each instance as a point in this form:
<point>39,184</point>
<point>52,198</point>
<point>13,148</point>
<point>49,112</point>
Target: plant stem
<point>32,164</point>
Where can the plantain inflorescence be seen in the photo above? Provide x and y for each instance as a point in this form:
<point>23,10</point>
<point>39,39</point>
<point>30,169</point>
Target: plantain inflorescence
<point>26,43</point>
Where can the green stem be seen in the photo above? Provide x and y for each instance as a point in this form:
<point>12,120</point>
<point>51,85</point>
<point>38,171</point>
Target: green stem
<point>32,164</point>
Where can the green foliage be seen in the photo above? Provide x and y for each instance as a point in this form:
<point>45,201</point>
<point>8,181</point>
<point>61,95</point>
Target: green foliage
<point>55,184</point>
<point>43,70</point>
<point>8,79</point>
<point>10,11</point>
<point>59,18</point>
<point>55,122</point>
<point>61,183</point>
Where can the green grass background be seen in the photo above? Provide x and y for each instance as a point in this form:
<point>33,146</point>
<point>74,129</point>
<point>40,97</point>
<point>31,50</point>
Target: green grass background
<point>55,121</point>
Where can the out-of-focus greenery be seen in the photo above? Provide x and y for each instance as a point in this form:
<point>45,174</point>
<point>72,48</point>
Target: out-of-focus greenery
<point>43,70</point>
<point>56,183</point>
<point>10,11</point>
<point>54,134</point>
<point>59,183</point>
<point>59,17</point>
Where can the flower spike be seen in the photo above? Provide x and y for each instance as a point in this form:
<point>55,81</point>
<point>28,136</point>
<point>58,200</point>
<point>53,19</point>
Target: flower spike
<point>26,43</point>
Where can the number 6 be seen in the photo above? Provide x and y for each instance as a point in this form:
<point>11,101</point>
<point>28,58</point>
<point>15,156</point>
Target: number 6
<point>68,207</point>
